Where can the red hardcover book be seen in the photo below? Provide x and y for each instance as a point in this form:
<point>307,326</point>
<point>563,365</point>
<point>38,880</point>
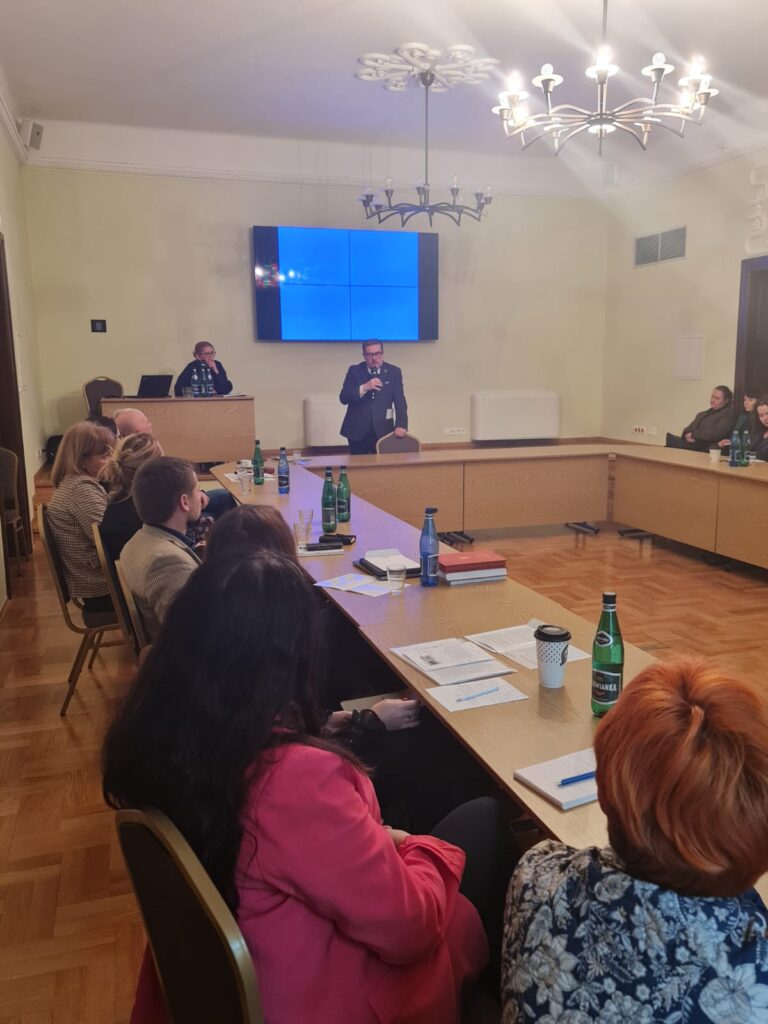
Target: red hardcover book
<point>466,561</point>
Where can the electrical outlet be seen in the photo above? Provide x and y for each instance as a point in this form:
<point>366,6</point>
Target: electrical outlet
<point>652,431</point>
<point>454,431</point>
<point>639,430</point>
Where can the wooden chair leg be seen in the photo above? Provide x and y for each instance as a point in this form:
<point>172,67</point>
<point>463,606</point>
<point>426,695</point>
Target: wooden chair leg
<point>77,667</point>
<point>16,550</point>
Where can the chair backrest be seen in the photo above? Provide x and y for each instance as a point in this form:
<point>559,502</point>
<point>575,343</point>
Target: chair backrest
<point>391,443</point>
<point>96,389</point>
<point>203,964</point>
<point>116,593</point>
<point>9,477</point>
<point>54,561</point>
<point>126,594</point>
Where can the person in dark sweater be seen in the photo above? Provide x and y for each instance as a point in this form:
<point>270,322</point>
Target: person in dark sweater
<point>709,427</point>
<point>121,520</point>
<point>205,357</point>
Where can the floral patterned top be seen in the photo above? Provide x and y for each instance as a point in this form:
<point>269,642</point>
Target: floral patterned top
<point>585,942</point>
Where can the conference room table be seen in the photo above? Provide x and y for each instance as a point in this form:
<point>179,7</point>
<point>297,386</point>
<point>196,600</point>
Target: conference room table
<point>676,494</point>
<point>504,737</point>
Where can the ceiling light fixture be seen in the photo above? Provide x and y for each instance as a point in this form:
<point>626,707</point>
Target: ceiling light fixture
<point>637,117</point>
<point>416,63</point>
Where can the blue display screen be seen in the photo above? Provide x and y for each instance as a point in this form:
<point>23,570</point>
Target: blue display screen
<point>328,284</point>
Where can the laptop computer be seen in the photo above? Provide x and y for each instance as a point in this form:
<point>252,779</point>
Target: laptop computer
<point>155,385</point>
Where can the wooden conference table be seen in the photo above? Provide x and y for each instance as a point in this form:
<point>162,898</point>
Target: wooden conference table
<point>214,429</point>
<point>676,494</point>
<point>503,737</point>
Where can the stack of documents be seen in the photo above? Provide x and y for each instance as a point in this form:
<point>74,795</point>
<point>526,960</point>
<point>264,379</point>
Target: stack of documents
<point>467,676</point>
<point>452,661</point>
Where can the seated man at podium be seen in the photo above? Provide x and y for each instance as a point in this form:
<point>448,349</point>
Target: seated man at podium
<point>205,358</point>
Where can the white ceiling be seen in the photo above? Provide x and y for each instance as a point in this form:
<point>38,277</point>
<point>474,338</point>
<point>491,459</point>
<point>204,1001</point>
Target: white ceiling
<point>286,67</point>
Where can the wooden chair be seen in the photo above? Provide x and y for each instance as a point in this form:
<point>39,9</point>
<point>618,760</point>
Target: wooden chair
<point>203,964</point>
<point>134,635</point>
<point>96,389</point>
<point>9,507</point>
<point>95,625</point>
<point>137,623</point>
<point>391,444</point>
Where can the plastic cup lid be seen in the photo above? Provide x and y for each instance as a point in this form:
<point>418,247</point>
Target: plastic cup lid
<point>555,634</point>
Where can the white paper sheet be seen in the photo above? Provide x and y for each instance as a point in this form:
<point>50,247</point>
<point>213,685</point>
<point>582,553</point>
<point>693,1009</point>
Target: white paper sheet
<point>480,693</point>
<point>451,661</point>
<point>518,644</point>
<point>356,583</point>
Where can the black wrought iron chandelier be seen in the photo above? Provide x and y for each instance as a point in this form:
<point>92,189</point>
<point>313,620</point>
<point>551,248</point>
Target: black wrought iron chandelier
<point>415,62</point>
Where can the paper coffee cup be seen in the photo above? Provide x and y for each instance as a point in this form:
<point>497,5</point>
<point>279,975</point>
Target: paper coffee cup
<point>714,454</point>
<point>551,654</point>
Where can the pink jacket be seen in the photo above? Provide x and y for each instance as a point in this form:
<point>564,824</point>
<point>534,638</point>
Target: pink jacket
<point>344,926</point>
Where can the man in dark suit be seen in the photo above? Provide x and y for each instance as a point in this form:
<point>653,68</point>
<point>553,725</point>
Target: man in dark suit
<point>375,400</point>
<point>204,354</point>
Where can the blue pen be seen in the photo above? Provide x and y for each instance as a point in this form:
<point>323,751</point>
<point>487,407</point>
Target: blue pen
<point>584,777</point>
<point>474,696</point>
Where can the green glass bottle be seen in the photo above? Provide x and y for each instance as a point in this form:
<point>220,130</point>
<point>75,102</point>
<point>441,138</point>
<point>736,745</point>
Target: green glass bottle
<point>745,448</point>
<point>343,497</point>
<point>328,502</point>
<point>607,658</point>
<point>258,463</point>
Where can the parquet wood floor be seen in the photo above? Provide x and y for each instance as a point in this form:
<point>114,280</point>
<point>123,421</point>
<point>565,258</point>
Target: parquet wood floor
<point>70,935</point>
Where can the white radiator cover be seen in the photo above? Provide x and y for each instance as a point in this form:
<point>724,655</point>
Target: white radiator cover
<point>514,415</point>
<point>322,421</point>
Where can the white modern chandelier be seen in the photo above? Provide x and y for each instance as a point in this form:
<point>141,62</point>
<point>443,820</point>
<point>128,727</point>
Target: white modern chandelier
<point>637,117</point>
<point>416,63</point>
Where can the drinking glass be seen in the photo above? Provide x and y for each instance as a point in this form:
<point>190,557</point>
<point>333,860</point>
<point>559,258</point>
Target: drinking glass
<point>396,575</point>
<point>245,479</point>
<point>305,517</point>
<point>302,533</point>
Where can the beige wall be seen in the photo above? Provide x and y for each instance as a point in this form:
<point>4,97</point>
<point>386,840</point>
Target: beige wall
<point>649,307</point>
<point>166,261</point>
<point>13,228</point>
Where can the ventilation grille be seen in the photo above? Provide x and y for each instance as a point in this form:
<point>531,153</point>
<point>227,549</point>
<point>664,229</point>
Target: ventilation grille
<point>669,245</point>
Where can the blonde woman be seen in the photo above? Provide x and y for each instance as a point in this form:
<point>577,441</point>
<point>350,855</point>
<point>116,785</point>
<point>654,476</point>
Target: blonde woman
<point>78,502</point>
<point>121,520</point>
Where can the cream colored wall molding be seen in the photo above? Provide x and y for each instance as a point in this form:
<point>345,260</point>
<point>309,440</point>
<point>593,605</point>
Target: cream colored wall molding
<point>8,123</point>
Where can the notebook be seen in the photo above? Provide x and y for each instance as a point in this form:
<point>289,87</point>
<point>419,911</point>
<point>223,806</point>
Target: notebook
<point>544,778</point>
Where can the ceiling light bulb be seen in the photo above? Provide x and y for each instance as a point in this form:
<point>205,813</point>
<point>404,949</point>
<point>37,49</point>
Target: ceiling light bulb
<point>546,70</point>
<point>515,82</point>
<point>603,57</point>
<point>659,59</point>
<point>696,66</point>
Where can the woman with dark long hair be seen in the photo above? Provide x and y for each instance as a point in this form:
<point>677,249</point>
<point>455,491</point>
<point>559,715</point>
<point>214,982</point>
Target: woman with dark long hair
<point>346,919</point>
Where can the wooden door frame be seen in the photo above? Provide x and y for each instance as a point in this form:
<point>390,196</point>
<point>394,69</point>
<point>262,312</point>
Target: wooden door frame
<point>754,264</point>
<point>10,410</point>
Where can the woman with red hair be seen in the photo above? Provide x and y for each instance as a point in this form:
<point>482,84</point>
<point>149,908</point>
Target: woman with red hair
<point>663,925</point>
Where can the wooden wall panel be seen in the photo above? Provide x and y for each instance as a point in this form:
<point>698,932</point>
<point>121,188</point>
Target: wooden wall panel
<point>534,492</point>
<point>670,500</point>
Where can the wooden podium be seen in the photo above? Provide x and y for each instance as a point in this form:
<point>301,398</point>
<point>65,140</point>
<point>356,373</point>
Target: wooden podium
<point>216,429</point>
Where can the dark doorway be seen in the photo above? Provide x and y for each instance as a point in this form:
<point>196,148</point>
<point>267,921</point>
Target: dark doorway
<point>10,412</point>
<point>752,336</point>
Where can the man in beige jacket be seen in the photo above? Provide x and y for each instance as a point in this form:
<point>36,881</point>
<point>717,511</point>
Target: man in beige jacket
<point>158,560</point>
